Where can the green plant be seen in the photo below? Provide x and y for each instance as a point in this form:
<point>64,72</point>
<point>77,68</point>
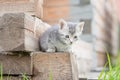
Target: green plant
<point>1,74</point>
<point>24,77</point>
<point>50,75</point>
<point>9,77</point>
<point>118,58</point>
<point>113,73</point>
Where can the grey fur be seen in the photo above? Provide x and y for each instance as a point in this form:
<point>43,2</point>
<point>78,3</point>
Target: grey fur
<point>72,29</point>
<point>54,39</point>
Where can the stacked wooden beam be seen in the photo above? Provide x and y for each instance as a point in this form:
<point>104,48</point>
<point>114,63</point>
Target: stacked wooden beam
<point>19,41</point>
<point>31,7</point>
<point>38,66</point>
<point>20,32</point>
<point>55,65</point>
<point>19,35</point>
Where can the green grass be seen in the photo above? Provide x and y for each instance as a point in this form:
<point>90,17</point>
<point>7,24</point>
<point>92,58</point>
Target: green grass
<point>24,77</point>
<point>9,77</point>
<point>1,74</point>
<point>50,75</point>
<point>114,71</point>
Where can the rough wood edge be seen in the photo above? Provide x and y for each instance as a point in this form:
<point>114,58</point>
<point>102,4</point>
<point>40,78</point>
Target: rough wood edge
<point>74,67</point>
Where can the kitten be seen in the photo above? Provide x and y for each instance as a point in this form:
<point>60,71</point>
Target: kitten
<point>60,38</point>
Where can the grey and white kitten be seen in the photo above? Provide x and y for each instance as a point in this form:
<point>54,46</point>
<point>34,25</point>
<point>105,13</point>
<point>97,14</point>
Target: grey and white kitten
<point>60,38</point>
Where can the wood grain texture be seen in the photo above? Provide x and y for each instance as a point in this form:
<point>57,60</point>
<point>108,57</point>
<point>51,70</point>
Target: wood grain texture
<point>74,67</point>
<point>56,64</point>
<point>15,65</point>
<point>31,7</point>
<point>39,8</point>
<point>11,78</point>
<point>17,33</point>
<point>12,1</point>
<point>17,7</point>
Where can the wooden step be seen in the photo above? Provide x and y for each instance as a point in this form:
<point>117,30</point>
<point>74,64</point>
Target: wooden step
<point>13,1</point>
<point>39,65</point>
<point>16,7</point>
<point>20,32</point>
<point>14,78</point>
<point>31,7</point>
<point>16,64</point>
<point>57,65</point>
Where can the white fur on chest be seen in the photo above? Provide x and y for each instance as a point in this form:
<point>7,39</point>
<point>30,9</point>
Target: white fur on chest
<point>62,47</point>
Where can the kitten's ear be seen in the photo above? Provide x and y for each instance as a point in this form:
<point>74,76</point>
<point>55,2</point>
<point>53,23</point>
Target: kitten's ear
<point>62,23</point>
<point>80,26</point>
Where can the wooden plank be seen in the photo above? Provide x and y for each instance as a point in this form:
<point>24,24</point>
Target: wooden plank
<point>12,1</point>
<point>11,78</point>
<point>11,36</point>
<point>15,64</point>
<point>74,67</point>
<point>19,34</point>
<point>16,78</point>
<point>31,7</point>
<point>56,64</point>
<point>39,8</point>
<point>17,7</point>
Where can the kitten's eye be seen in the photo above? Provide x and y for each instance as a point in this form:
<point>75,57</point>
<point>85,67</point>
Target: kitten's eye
<point>75,37</point>
<point>67,36</point>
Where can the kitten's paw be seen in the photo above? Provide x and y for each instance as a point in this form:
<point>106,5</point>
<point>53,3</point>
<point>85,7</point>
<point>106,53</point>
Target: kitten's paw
<point>70,51</point>
<point>50,50</point>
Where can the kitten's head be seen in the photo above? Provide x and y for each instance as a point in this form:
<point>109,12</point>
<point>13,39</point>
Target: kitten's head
<point>70,32</point>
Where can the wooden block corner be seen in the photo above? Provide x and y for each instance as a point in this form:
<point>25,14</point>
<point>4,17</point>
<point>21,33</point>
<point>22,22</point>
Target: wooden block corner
<point>56,64</point>
<point>16,65</point>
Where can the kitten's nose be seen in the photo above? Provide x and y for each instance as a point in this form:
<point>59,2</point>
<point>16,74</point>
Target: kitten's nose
<point>71,41</point>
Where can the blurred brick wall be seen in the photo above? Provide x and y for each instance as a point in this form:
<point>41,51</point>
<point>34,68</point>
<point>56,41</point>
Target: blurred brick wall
<point>117,7</point>
<point>53,10</point>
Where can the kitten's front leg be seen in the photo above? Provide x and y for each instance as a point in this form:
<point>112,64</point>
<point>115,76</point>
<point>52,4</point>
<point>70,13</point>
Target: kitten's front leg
<point>50,50</point>
<point>69,50</point>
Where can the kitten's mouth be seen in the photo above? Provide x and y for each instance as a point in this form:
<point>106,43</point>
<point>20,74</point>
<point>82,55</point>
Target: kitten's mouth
<point>71,42</point>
